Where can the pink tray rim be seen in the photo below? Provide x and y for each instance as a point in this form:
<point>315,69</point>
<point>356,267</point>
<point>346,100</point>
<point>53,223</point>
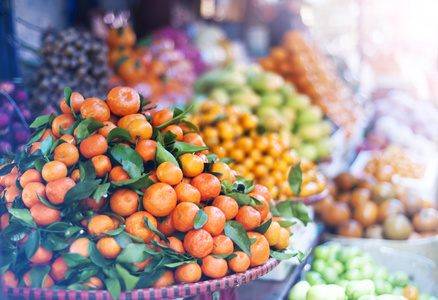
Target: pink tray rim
<point>170,292</point>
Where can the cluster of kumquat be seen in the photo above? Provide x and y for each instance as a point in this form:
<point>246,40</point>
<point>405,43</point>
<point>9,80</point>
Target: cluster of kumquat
<point>108,194</point>
<point>266,158</point>
<point>157,70</point>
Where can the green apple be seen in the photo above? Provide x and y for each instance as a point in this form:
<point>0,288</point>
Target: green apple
<point>382,286</point>
<point>322,252</point>
<point>295,141</point>
<point>297,101</point>
<point>329,275</point>
<point>310,132</point>
<point>337,265</point>
<point>288,89</point>
<point>347,252</point>
<point>343,283</point>
<point>289,114</point>
<point>323,146</point>
<point>308,151</point>
<point>423,297</point>
<point>309,115</point>
<point>219,95</point>
<point>353,274</point>
<point>319,265</point>
<point>271,99</point>
<point>381,272</point>
<point>299,291</point>
<point>399,279</point>
<point>367,271</point>
<point>244,97</point>
<point>314,278</point>
<point>337,291</point>
<point>398,291</point>
<point>319,292</point>
<point>266,82</point>
<point>359,288</point>
<point>271,118</point>
<point>334,248</point>
<point>356,262</point>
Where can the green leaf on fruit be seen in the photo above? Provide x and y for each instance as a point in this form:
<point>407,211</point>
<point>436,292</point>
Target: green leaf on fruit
<point>101,191</point>
<point>162,155</point>
<point>151,226</point>
<point>130,280</point>
<point>183,148</point>
<point>283,255</point>
<point>130,160</point>
<point>295,179</point>
<point>135,183</point>
<point>81,190</point>
<point>113,286</point>
<point>235,231</point>
<point>227,160</point>
<point>200,219</point>
<point>43,121</point>
<point>119,134</point>
<point>46,145</point>
<point>95,256</point>
<point>32,243</point>
<point>38,276</point>
<point>23,214</point>
<point>264,227</point>
<point>177,116</point>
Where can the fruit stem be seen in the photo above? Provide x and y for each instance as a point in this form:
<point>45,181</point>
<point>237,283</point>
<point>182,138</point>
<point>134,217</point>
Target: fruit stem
<point>17,109</point>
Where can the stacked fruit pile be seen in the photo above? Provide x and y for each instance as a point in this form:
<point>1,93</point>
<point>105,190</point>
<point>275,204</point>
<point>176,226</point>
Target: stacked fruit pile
<point>279,107</point>
<point>73,58</point>
<point>14,118</point>
<point>89,203</point>
<point>391,161</point>
<point>155,67</point>
<point>266,158</point>
<point>347,273</point>
<point>376,209</point>
<point>313,74</point>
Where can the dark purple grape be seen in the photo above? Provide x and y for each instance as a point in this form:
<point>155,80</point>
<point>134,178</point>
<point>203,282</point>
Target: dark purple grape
<point>5,146</point>
<point>21,96</point>
<point>4,119</point>
<point>21,135</point>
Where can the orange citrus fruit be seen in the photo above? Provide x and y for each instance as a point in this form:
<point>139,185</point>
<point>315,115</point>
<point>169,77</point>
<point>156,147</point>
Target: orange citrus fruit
<point>95,108</point>
<point>135,225</point>
<point>56,190</point>
<point>124,202</point>
<point>214,267</point>
<point>123,101</point>
<point>159,199</point>
<point>208,185</point>
<point>54,170</point>
<point>183,217</point>
<point>168,173</point>
<point>198,242</point>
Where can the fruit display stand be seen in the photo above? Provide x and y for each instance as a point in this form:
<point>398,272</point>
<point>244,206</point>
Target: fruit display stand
<point>223,288</point>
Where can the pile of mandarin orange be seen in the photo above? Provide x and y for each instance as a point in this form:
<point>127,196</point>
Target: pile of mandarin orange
<point>266,158</point>
<point>138,235</point>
